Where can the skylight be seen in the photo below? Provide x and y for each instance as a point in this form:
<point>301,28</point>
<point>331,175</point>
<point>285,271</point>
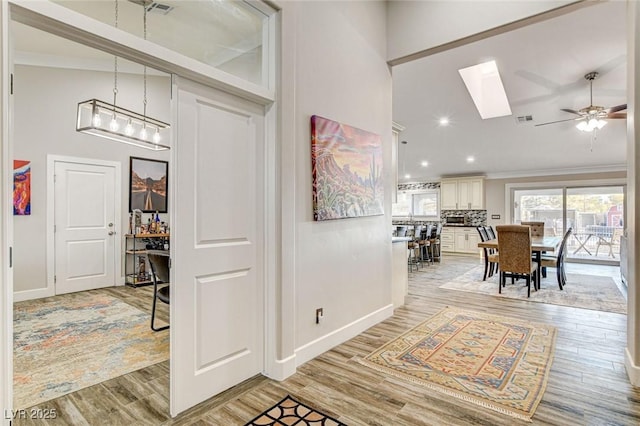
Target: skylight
<point>485,87</point>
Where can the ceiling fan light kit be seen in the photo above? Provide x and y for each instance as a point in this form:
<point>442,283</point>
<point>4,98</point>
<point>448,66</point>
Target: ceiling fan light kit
<point>592,117</point>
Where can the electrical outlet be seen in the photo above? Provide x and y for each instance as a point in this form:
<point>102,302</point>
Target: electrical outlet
<point>319,315</point>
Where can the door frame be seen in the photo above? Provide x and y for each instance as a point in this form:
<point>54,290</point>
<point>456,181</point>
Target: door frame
<point>52,159</point>
<point>58,20</point>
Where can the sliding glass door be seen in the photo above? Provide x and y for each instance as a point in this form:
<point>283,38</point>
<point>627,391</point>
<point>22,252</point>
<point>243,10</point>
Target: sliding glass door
<point>540,205</point>
<point>597,217</point>
<point>594,213</point>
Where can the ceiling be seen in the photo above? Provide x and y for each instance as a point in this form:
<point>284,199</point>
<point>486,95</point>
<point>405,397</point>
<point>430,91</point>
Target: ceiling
<point>542,68</point>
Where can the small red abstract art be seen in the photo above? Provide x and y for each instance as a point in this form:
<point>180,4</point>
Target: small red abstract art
<point>21,187</point>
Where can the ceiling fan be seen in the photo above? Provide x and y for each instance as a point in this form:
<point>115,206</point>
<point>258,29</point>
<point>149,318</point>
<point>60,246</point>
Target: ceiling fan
<point>592,117</point>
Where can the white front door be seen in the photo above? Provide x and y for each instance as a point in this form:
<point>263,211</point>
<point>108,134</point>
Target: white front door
<point>84,226</point>
<point>217,319</point>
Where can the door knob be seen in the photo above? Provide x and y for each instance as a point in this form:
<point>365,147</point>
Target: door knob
<point>111,232</point>
<point>110,225</point>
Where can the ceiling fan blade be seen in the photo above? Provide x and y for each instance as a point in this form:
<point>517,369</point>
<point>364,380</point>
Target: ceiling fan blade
<point>559,121</point>
<point>571,111</point>
<point>617,108</point>
<point>617,115</point>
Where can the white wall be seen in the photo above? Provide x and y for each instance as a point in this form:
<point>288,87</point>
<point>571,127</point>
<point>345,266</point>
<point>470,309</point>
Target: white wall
<point>343,266</point>
<point>45,101</point>
<point>414,26</point>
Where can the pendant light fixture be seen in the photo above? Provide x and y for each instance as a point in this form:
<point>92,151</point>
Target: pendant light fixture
<point>406,175</point>
<point>110,121</point>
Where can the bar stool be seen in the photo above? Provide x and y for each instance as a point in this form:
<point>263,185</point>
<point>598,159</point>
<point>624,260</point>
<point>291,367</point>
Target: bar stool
<point>412,246</point>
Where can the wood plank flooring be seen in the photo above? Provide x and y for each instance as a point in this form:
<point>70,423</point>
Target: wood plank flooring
<point>587,385</point>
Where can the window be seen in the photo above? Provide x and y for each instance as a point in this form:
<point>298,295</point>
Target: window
<point>595,214</point>
<point>232,36</point>
<point>417,204</point>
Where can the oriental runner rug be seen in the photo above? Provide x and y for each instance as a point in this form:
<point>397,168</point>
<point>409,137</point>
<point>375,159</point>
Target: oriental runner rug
<point>496,362</point>
<point>290,412</point>
<point>72,341</point>
<point>581,291</point>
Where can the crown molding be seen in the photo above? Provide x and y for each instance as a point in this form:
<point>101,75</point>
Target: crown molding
<point>558,172</point>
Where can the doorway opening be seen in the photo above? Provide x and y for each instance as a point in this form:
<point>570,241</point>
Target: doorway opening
<point>74,317</point>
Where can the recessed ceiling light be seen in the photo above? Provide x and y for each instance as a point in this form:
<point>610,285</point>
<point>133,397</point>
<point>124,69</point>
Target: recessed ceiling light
<point>444,121</point>
<point>407,176</point>
<point>485,87</point>
<point>424,163</point>
<point>470,159</point>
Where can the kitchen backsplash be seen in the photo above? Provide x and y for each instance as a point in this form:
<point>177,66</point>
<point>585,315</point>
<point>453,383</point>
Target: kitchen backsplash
<point>474,217</point>
<point>418,185</point>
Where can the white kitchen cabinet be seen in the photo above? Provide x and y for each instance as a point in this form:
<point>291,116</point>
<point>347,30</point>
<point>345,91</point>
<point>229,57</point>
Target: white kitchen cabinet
<point>462,194</point>
<point>447,242</point>
<point>449,195</point>
<point>466,240</point>
<point>463,240</point>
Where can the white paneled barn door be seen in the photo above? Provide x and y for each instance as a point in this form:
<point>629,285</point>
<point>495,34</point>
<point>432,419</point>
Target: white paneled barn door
<point>217,301</point>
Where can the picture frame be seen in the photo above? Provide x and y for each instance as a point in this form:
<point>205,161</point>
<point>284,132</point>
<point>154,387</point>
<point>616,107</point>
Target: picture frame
<point>347,168</point>
<point>148,184</point>
<point>21,187</point>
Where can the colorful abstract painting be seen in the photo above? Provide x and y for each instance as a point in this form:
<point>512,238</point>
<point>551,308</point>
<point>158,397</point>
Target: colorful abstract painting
<point>21,187</point>
<point>347,171</point>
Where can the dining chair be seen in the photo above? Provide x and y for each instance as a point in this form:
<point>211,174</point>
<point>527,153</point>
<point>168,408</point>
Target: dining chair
<point>160,274</point>
<point>514,246</point>
<point>537,228</point>
<point>491,232</point>
<point>610,242</point>
<point>490,258</point>
<point>558,261</point>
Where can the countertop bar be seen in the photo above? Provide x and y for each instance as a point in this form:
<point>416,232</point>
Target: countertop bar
<point>400,239</point>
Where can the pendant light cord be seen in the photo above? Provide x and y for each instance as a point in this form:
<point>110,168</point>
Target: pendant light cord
<point>144,106</point>
<point>115,64</point>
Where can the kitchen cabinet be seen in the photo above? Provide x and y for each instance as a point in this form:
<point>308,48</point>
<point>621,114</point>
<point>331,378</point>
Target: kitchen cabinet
<point>447,241</point>
<point>466,240</point>
<point>449,195</point>
<point>462,194</point>
<point>462,240</point>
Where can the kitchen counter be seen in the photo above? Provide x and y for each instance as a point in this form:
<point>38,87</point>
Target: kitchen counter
<point>400,239</point>
<point>399,272</point>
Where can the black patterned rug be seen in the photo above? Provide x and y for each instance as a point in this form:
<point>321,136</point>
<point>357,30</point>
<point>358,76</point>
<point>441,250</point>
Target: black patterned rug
<point>290,412</point>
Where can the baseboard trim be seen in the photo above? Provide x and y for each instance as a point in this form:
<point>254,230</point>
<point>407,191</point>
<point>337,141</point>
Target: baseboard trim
<point>313,349</point>
<point>21,296</point>
<point>633,370</point>
<point>281,369</point>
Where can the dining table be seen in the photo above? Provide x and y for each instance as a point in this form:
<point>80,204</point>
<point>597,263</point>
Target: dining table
<point>538,245</point>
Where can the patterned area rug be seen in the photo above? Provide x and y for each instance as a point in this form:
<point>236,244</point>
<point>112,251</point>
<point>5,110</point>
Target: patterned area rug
<point>289,412</point>
<point>496,362</point>
<point>581,291</point>
<point>69,342</point>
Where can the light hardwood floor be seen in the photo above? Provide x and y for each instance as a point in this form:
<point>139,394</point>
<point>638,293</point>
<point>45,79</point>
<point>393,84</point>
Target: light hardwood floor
<point>587,385</point>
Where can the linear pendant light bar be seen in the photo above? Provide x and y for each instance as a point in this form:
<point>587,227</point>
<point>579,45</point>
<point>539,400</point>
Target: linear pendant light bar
<point>109,121</point>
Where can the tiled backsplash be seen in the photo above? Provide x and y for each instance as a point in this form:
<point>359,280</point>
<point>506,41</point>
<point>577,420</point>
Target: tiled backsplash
<point>418,185</point>
<point>474,217</point>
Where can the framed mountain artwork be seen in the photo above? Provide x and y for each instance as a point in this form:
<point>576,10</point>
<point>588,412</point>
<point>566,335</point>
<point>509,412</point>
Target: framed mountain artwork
<point>347,171</point>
